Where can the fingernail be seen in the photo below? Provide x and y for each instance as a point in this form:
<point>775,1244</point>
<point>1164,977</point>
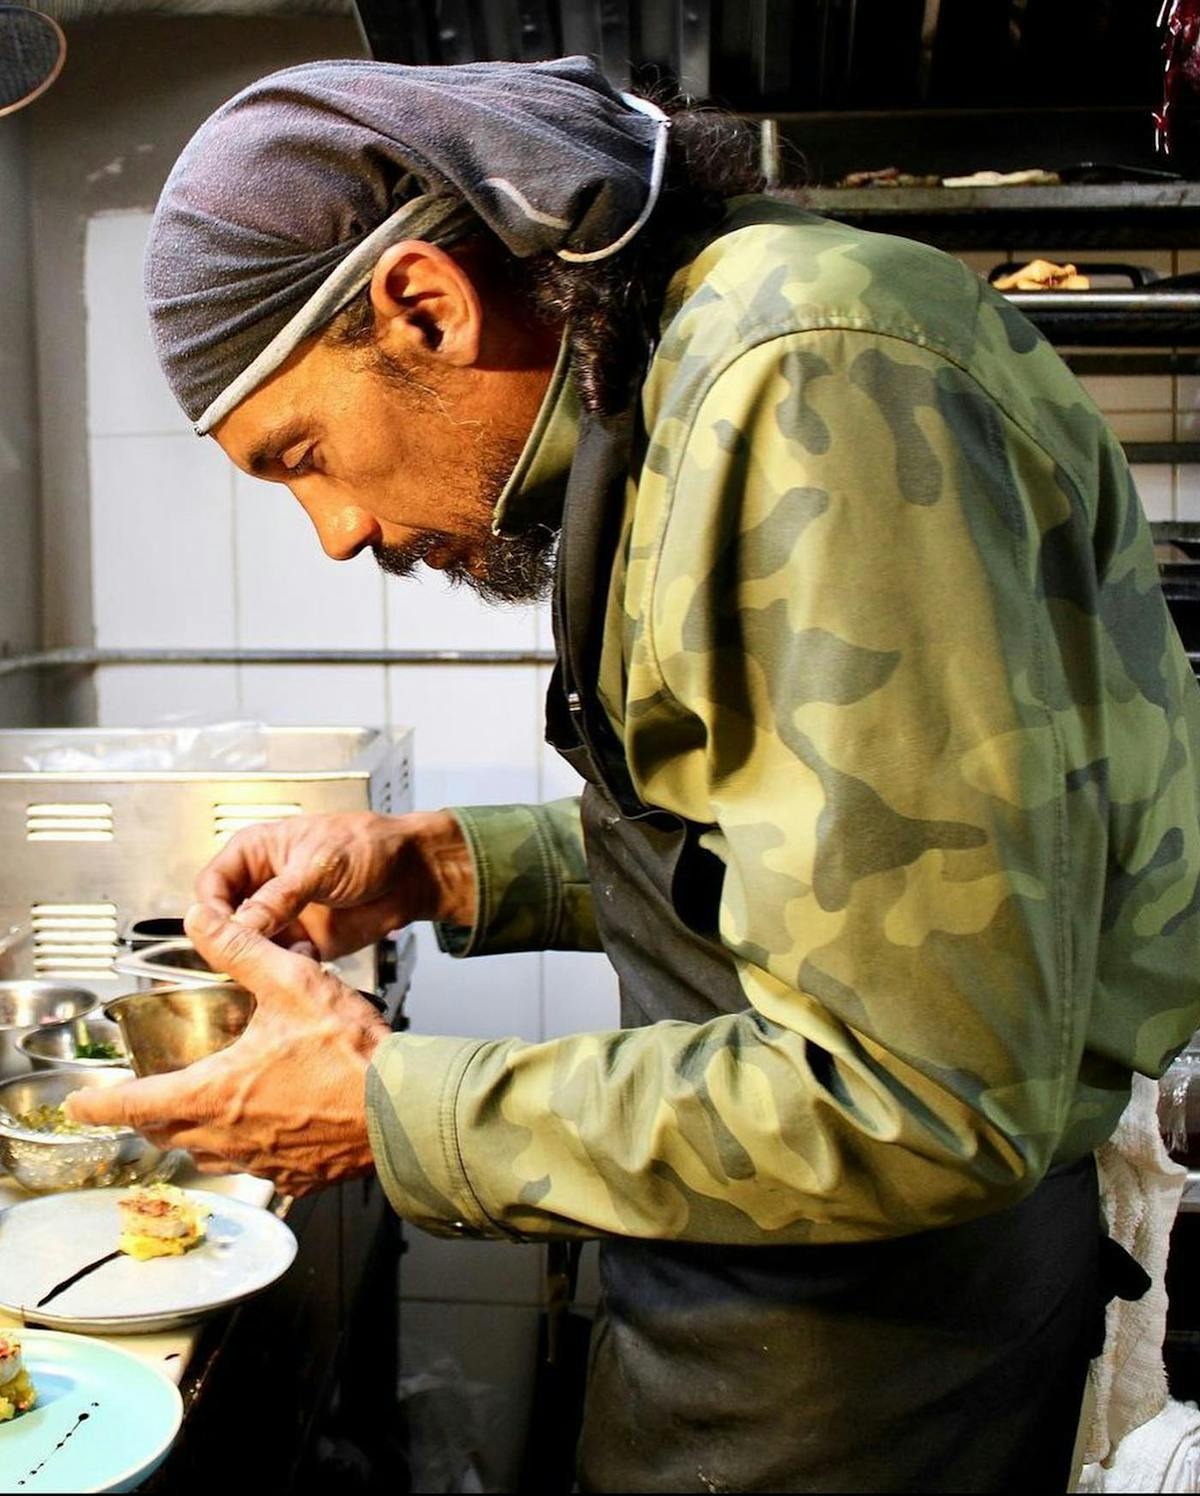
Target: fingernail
<point>251,917</point>
<point>202,920</point>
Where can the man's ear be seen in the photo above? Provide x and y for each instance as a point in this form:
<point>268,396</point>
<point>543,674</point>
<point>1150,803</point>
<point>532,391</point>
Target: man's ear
<point>426,305</point>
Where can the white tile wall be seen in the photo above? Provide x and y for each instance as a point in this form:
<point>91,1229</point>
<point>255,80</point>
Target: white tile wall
<point>136,695</point>
<point>299,695</point>
<point>579,994</point>
<point>479,729</point>
<point>162,549</point>
<point>127,396</point>
<point>425,612</point>
<point>289,593</point>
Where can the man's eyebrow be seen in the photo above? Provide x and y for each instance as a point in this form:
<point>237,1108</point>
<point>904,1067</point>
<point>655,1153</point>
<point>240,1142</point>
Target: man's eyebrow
<point>268,451</point>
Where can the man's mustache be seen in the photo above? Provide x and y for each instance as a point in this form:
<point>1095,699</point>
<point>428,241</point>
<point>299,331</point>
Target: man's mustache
<point>403,559</point>
<point>516,568</point>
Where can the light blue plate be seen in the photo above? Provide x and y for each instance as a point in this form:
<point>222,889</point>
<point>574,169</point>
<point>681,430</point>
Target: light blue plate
<point>102,1422</point>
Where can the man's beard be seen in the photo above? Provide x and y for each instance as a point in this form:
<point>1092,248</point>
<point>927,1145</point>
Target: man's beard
<point>516,568</point>
<point>513,568</point>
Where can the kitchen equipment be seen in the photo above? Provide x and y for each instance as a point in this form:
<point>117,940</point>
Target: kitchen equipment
<point>54,1047</point>
<point>140,933</point>
<point>91,848</point>
<point>168,1028</point>
<point>45,1161</point>
<point>104,1418</point>
<point>28,1005</point>
<point>44,1242</point>
<point>170,963</point>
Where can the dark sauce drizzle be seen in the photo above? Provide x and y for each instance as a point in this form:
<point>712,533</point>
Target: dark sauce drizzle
<point>81,1419</point>
<point>75,1277</point>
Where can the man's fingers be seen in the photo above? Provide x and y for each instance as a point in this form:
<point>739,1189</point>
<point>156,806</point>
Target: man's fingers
<point>159,1100</point>
<point>243,952</point>
<point>276,904</point>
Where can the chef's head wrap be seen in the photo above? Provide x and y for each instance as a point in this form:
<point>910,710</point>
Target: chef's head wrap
<point>278,209</point>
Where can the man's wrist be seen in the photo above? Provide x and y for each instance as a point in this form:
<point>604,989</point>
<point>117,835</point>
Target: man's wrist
<point>447,868</point>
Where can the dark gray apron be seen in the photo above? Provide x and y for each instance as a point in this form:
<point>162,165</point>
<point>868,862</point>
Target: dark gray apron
<point>953,1360</point>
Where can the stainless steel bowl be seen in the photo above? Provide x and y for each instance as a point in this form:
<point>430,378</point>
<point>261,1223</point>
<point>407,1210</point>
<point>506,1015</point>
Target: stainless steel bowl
<point>170,963</point>
<point>45,1162</point>
<point>25,1006</point>
<point>140,933</point>
<point>169,1028</point>
<point>53,1047</point>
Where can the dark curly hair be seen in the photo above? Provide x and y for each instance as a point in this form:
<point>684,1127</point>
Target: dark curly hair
<point>611,308</point>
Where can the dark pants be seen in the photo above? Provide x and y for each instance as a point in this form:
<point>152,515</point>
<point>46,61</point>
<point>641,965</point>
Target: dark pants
<point>954,1360</point>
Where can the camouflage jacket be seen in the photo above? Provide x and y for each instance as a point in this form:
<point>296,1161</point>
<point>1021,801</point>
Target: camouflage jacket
<point>887,622</point>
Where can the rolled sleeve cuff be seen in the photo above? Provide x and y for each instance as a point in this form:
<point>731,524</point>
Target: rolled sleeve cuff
<point>524,901</point>
<point>413,1084</point>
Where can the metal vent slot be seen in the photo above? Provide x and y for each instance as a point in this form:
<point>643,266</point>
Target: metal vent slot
<point>228,819</point>
<point>74,940</point>
<point>69,821</point>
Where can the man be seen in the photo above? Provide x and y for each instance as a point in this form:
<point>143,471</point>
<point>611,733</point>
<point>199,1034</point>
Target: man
<point>891,823</point>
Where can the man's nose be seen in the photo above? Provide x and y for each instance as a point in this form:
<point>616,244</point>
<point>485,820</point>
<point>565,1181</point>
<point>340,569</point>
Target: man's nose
<point>345,531</point>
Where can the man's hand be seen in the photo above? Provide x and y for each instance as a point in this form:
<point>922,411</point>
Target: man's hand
<point>339,882</point>
<point>286,1101</point>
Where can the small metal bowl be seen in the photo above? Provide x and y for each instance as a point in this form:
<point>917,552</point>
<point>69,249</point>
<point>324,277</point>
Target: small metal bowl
<point>53,1047</point>
<point>143,932</point>
<point>170,963</point>
<point>46,1161</point>
<point>170,1028</point>
<point>25,1006</point>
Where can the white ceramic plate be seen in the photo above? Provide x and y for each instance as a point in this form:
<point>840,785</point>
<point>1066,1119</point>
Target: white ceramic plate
<point>46,1240</point>
<point>103,1420</point>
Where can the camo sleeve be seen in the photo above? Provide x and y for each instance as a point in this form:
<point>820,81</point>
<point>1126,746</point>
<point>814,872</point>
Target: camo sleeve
<point>870,644</point>
<point>531,881</point>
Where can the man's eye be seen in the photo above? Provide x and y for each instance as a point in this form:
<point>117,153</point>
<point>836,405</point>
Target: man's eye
<point>303,464</point>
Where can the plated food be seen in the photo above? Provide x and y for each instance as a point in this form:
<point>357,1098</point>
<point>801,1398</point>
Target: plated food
<point>17,1392</point>
<point>103,1419</point>
<point>160,1221</point>
<point>60,1264</point>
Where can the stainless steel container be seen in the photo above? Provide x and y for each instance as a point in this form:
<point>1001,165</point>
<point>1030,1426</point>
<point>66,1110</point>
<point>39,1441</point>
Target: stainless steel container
<point>91,847</point>
<point>140,933</point>
<point>25,1006</point>
<point>44,1162</point>
<point>169,1028</point>
<point>55,1046</point>
<point>171,963</point>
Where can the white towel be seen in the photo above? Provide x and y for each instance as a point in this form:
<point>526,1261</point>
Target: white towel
<point>1140,1187</point>
<point>1162,1455</point>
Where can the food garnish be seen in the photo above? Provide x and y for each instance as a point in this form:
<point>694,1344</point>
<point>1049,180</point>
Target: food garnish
<point>99,1049</point>
<point>53,1119</point>
<point>17,1392</point>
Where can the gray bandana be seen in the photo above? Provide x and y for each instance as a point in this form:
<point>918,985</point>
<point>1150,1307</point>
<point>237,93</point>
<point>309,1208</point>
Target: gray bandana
<point>276,212</point>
